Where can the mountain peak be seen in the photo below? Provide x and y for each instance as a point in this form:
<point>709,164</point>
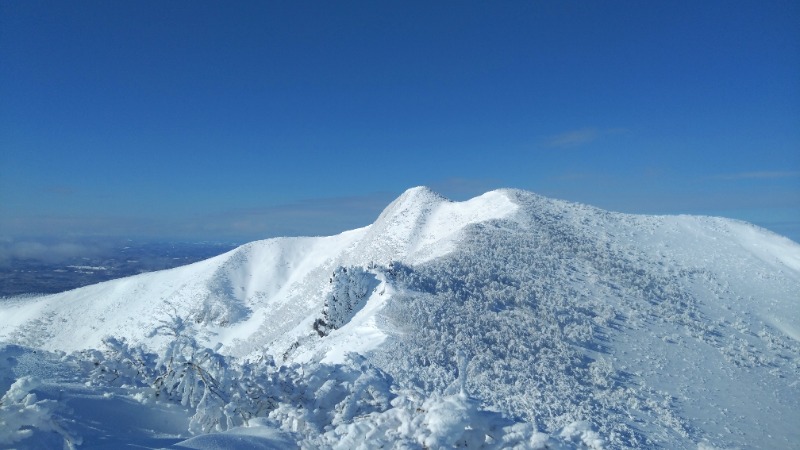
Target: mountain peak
<point>421,194</point>
<point>422,224</point>
<point>411,205</point>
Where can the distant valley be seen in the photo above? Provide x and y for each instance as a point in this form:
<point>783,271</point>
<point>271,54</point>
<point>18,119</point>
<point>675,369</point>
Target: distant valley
<point>115,259</point>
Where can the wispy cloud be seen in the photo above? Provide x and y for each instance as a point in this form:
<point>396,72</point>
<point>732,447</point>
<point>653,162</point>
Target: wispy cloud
<point>573,176</point>
<point>579,137</point>
<point>460,188</point>
<point>309,217</point>
<point>760,175</point>
<point>60,190</point>
<point>573,138</point>
<point>46,250</point>
<point>74,226</point>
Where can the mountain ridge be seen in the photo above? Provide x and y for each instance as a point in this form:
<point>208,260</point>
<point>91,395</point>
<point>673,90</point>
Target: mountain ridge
<point>418,226</point>
<point>561,312</point>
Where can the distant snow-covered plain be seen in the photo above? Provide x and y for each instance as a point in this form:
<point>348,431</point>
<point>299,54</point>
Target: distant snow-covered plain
<point>506,321</point>
<point>31,266</point>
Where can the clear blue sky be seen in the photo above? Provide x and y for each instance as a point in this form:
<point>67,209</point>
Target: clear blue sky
<point>243,120</point>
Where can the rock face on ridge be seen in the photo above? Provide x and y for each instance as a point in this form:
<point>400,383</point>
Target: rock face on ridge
<point>660,331</point>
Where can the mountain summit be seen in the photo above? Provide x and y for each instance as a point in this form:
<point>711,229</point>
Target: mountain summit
<point>652,331</point>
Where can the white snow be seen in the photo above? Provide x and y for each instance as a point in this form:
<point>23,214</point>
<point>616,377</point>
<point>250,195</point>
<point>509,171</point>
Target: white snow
<point>360,335</point>
<point>508,320</point>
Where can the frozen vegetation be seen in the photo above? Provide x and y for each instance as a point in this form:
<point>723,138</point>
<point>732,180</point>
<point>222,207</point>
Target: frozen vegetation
<point>507,321</point>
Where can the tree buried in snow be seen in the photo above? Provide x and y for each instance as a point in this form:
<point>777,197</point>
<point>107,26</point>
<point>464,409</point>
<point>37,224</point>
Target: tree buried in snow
<point>350,288</point>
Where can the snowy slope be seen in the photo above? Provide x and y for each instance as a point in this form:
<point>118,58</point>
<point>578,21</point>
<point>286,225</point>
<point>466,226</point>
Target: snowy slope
<point>657,331</point>
<point>246,297</point>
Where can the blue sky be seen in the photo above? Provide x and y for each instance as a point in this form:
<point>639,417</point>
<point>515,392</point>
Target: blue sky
<point>244,120</point>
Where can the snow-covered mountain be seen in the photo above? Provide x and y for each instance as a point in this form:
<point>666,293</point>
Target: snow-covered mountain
<point>642,331</point>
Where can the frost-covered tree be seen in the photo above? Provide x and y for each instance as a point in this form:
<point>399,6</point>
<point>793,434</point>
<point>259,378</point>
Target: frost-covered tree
<point>348,292</point>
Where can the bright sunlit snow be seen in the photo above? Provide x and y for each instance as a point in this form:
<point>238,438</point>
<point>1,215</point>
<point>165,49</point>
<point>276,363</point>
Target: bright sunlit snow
<point>506,321</point>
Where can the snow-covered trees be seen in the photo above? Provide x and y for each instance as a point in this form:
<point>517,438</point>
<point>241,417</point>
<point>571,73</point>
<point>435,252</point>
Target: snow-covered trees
<point>348,405</point>
<point>224,392</point>
<point>349,289</point>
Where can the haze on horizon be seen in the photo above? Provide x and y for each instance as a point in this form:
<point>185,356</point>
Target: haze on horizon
<point>201,120</point>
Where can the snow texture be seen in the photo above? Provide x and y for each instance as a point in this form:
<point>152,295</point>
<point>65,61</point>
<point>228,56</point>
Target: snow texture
<point>506,321</point>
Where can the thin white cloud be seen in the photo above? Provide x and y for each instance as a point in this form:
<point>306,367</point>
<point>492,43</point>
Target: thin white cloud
<point>573,176</point>
<point>760,175</point>
<point>310,217</point>
<point>60,190</point>
<point>460,188</point>
<point>573,138</point>
<point>45,250</point>
<point>579,137</point>
<point>318,216</point>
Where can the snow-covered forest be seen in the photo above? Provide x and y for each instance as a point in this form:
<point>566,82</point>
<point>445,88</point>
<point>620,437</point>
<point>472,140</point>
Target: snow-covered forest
<point>506,321</point>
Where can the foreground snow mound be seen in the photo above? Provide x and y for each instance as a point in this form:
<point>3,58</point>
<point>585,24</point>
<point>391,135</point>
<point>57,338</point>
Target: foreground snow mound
<point>260,435</point>
<point>21,412</point>
<point>508,320</point>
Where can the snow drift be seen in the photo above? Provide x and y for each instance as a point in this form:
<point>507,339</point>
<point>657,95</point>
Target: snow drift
<point>506,320</point>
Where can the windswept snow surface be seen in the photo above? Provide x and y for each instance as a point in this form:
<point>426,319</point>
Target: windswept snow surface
<point>543,322</point>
